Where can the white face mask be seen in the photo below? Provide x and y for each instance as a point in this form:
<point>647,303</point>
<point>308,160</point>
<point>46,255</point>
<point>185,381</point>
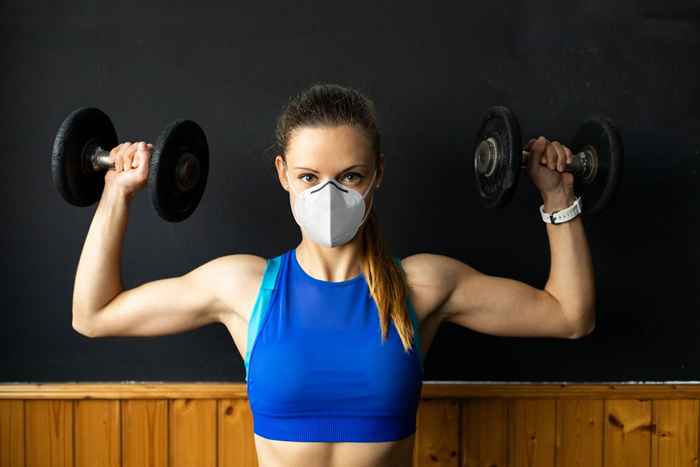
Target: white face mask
<point>330,213</point>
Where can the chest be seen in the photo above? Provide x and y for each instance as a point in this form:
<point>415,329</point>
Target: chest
<point>328,352</point>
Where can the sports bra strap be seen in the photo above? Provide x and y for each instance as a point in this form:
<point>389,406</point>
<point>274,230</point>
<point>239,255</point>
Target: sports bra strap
<point>273,265</point>
<point>257,315</point>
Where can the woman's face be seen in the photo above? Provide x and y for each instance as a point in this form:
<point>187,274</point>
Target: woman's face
<point>342,153</point>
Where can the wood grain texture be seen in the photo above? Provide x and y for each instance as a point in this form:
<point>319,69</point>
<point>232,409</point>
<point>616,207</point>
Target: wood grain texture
<point>674,441</point>
<point>144,425</point>
<point>11,433</point>
<point>236,443</point>
<point>192,433</point>
<point>431,390</point>
<point>627,433</point>
<point>97,433</point>
<point>579,436</point>
<point>532,433</point>
<point>484,436</point>
<point>437,434</point>
<point>48,433</point>
<point>501,431</point>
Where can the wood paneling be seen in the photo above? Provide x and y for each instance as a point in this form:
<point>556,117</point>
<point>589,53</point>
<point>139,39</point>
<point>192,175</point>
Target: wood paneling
<point>236,444</point>
<point>469,425</point>
<point>437,442</point>
<point>627,433</point>
<point>192,433</point>
<point>484,438</point>
<point>11,433</point>
<point>48,433</point>
<point>97,436</point>
<point>144,429</point>
<point>579,434</point>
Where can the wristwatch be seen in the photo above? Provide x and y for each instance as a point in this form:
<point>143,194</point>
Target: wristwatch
<point>563,215</point>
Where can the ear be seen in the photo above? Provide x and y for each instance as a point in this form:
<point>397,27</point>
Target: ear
<point>380,170</point>
<point>281,176</point>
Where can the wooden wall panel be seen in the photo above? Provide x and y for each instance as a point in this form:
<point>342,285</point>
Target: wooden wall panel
<point>11,433</point>
<point>192,433</point>
<point>484,437</point>
<point>97,433</point>
<point>437,434</point>
<point>149,426</point>
<point>531,434</point>
<point>48,433</point>
<point>627,433</point>
<point>236,442</point>
<point>144,428</point>
<point>579,435</point>
<point>675,434</point>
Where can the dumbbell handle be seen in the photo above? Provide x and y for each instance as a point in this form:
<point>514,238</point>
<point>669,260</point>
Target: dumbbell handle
<point>100,160</point>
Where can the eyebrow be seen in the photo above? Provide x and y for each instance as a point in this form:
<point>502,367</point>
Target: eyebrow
<point>345,170</point>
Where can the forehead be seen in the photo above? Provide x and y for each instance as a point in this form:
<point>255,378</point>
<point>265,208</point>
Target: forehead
<point>328,146</point>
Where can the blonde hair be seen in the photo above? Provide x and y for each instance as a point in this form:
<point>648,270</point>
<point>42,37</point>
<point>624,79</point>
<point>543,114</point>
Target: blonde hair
<point>333,105</point>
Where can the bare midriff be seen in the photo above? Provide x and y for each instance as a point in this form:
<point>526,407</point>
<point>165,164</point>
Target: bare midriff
<point>276,453</point>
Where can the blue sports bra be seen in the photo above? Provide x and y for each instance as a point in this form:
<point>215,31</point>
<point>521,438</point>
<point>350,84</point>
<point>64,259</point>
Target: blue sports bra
<point>316,367</point>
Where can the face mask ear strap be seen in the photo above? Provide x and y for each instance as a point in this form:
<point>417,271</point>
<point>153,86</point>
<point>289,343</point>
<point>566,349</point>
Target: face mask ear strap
<point>286,174</point>
<point>374,179</point>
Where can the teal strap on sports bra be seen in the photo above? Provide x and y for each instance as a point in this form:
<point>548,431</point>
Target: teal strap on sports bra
<point>260,307</point>
<point>414,320</point>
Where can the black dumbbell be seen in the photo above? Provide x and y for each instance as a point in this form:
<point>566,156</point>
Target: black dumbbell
<point>499,156</point>
<point>178,169</point>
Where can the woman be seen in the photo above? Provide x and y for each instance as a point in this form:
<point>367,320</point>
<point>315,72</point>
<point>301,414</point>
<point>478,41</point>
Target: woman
<point>333,332</point>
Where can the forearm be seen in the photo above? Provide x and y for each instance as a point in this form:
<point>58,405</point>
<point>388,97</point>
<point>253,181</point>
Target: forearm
<point>98,276</point>
<point>571,279</point>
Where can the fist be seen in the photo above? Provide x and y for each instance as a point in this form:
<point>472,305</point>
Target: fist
<point>131,162</point>
<point>546,164</point>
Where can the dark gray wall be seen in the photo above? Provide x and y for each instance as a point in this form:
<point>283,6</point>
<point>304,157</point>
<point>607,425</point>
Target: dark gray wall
<point>432,69</point>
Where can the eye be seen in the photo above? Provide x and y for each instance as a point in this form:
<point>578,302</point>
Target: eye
<point>357,178</point>
<point>301,177</point>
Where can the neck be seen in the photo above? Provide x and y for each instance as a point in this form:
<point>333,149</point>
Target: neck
<point>332,264</point>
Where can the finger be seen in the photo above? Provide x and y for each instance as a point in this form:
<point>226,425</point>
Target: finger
<point>141,155</point>
<point>122,153</point>
<point>114,155</point>
<point>528,146</point>
<point>560,158</point>
<point>130,156</point>
<point>551,153</point>
<point>537,146</point>
<point>569,155</point>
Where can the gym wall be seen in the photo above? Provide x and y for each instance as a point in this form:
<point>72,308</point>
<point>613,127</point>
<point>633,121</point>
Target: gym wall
<point>432,70</point>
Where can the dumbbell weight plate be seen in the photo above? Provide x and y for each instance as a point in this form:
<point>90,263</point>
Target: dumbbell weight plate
<point>178,170</point>
<point>496,188</point>
<point>599,133</point>
<point>82,131</point>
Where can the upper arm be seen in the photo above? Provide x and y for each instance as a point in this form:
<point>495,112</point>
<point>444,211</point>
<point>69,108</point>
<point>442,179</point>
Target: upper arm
<point>176,304</point>
<point>493,305</point>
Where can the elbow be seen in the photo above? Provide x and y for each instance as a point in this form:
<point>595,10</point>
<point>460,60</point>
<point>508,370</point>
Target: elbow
<point>583,329</point>
<point>81,327</point>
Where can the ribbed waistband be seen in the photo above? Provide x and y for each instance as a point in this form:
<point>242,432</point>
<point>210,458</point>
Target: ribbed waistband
<point>329,428</point>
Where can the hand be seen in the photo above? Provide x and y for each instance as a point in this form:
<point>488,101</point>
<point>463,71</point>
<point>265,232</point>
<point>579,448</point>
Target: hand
<point>131,163</point>
<point>546,167</point>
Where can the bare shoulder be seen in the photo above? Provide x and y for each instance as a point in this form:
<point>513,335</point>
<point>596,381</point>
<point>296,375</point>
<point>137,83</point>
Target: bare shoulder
<point>431,279</point>
<point>234,279</point>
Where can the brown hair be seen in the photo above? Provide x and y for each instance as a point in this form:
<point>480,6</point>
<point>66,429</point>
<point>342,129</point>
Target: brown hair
<point>335,105</point>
